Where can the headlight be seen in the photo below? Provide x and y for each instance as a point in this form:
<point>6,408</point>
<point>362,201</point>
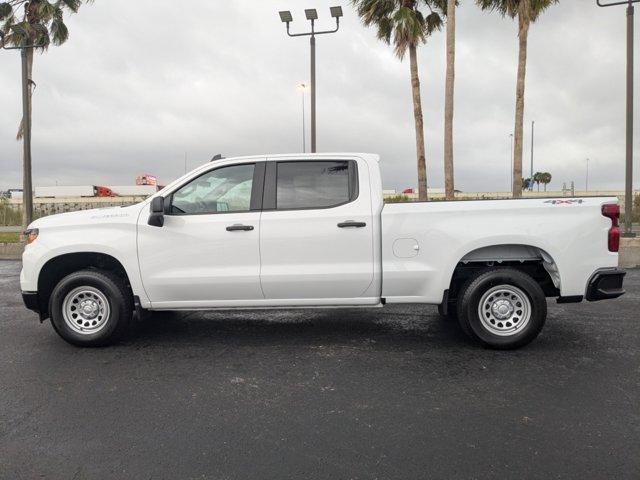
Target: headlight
<point>31,235</point>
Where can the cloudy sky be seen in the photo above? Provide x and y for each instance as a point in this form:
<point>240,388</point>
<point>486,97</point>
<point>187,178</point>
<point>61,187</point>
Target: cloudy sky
<point>141,84</point>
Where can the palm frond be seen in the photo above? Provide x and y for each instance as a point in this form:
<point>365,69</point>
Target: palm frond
<point>72,5</point>
<point>402,22</point>
<point>46,11</point>
<point>59,32</point>
<point>539,6</point>
<point>529,9</point>
<point>41,36</point>
<point>21,29</point>
<point>6,26</point>
<point>434,23</point>
<point>5,10</point>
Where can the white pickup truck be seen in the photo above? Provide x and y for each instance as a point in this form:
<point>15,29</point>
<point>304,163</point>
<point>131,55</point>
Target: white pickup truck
<point>293,231</point>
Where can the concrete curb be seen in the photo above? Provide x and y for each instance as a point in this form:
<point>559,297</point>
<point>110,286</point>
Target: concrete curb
<point>10,251</point>
<point>629,252</point>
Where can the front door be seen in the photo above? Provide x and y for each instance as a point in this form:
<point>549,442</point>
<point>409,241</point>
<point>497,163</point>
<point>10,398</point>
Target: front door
<point>207,253</point>
<point>316,231</point>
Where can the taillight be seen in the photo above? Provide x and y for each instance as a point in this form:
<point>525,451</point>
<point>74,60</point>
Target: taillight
<point>612,211</point>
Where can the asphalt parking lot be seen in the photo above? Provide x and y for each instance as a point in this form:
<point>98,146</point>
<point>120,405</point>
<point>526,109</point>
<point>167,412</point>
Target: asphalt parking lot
<point>390,393</point>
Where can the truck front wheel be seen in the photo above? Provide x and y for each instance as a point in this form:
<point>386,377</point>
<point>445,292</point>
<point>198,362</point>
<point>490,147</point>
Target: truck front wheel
<point>90,308</point>
<point>502,308</point>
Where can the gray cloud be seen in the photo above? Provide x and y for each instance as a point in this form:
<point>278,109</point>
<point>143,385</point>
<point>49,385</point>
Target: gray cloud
<point>139,84</point>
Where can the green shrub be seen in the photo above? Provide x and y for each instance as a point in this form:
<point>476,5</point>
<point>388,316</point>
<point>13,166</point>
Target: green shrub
<point>397,199</point>
<point>9,214</point>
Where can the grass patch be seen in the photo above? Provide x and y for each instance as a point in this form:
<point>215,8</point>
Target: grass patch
<point>397,199</point>
<point>9,237</point>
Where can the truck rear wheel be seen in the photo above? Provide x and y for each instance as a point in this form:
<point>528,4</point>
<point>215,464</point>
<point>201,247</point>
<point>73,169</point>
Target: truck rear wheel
<point>90,308</point>
<point>502,308</point>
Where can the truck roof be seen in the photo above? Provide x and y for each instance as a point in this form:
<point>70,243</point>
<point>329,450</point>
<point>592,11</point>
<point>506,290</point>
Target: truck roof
<point>305,156</point>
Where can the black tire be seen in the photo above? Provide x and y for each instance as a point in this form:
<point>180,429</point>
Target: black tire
<point>477,328</point>
<point>119,300</point>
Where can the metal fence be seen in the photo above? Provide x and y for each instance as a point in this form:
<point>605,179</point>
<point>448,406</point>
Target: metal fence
<point>11,213</point>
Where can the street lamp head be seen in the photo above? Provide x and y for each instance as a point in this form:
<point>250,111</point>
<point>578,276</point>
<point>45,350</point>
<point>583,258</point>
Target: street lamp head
<point>601,3</point>
<point>302,87</point>
<point>311,14</point>
<point>336,12</point>
<point>285,16</point>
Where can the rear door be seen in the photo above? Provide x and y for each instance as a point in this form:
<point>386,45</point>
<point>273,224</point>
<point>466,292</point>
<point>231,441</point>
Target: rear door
<point>316,230</point>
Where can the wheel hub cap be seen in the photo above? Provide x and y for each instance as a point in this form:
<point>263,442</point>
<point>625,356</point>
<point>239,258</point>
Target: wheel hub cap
<point>89,308</point>
<point>86,310</point>
<point>504,310</point>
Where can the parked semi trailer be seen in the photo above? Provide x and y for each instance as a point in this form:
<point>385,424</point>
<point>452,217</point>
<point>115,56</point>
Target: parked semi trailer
<point>133,190</point>
<point>73,191</point>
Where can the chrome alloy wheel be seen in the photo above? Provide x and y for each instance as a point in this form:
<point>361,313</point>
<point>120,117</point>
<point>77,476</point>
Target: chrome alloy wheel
<point>504,310</point>
<point>85,310</point>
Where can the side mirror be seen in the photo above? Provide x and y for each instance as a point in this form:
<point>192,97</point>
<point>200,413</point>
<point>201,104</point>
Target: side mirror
<point>156,218</point>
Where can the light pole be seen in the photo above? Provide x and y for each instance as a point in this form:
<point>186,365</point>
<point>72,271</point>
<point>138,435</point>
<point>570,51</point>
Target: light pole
<point>628,193</point>
<point>587,179</point>
<point>27,188</point>
<point>312,16</point>
<point>303,88</point>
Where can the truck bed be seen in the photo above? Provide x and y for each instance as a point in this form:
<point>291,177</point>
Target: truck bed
<point>422,242</point>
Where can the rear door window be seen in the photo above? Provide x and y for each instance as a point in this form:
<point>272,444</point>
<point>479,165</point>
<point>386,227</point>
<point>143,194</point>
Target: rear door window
<point>317,184</point>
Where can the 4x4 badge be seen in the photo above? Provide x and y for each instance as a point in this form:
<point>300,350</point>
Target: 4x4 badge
<point>570,201</point>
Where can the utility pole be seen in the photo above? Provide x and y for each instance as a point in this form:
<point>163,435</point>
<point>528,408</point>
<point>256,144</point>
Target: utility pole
<point>628,193</point>
<point>533,123</point>
<point>312,15</point>
<point>27,186</point>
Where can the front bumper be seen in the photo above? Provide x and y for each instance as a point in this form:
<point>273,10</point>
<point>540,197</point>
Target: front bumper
<point>605,284</point>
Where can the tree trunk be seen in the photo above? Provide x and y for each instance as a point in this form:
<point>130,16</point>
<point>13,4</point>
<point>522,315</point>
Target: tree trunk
<point>30,52</point>
<point>25,133</point>
<point>448,100</point>
<point>524,22</point>
<point>419,123</point>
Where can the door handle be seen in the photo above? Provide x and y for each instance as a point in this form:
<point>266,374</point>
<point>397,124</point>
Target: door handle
<point>351,224</point>
<point>238,227</point>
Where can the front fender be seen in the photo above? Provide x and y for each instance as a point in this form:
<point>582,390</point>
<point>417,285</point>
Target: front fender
<point>115,240</point>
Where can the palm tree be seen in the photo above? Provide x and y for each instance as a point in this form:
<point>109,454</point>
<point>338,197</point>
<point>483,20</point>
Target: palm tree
<point>33,22</point>
<point>402,23</point>
<point>527,12</point>
<point>537,179</point>
<point>448,100</point>
<point>545,179</point>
